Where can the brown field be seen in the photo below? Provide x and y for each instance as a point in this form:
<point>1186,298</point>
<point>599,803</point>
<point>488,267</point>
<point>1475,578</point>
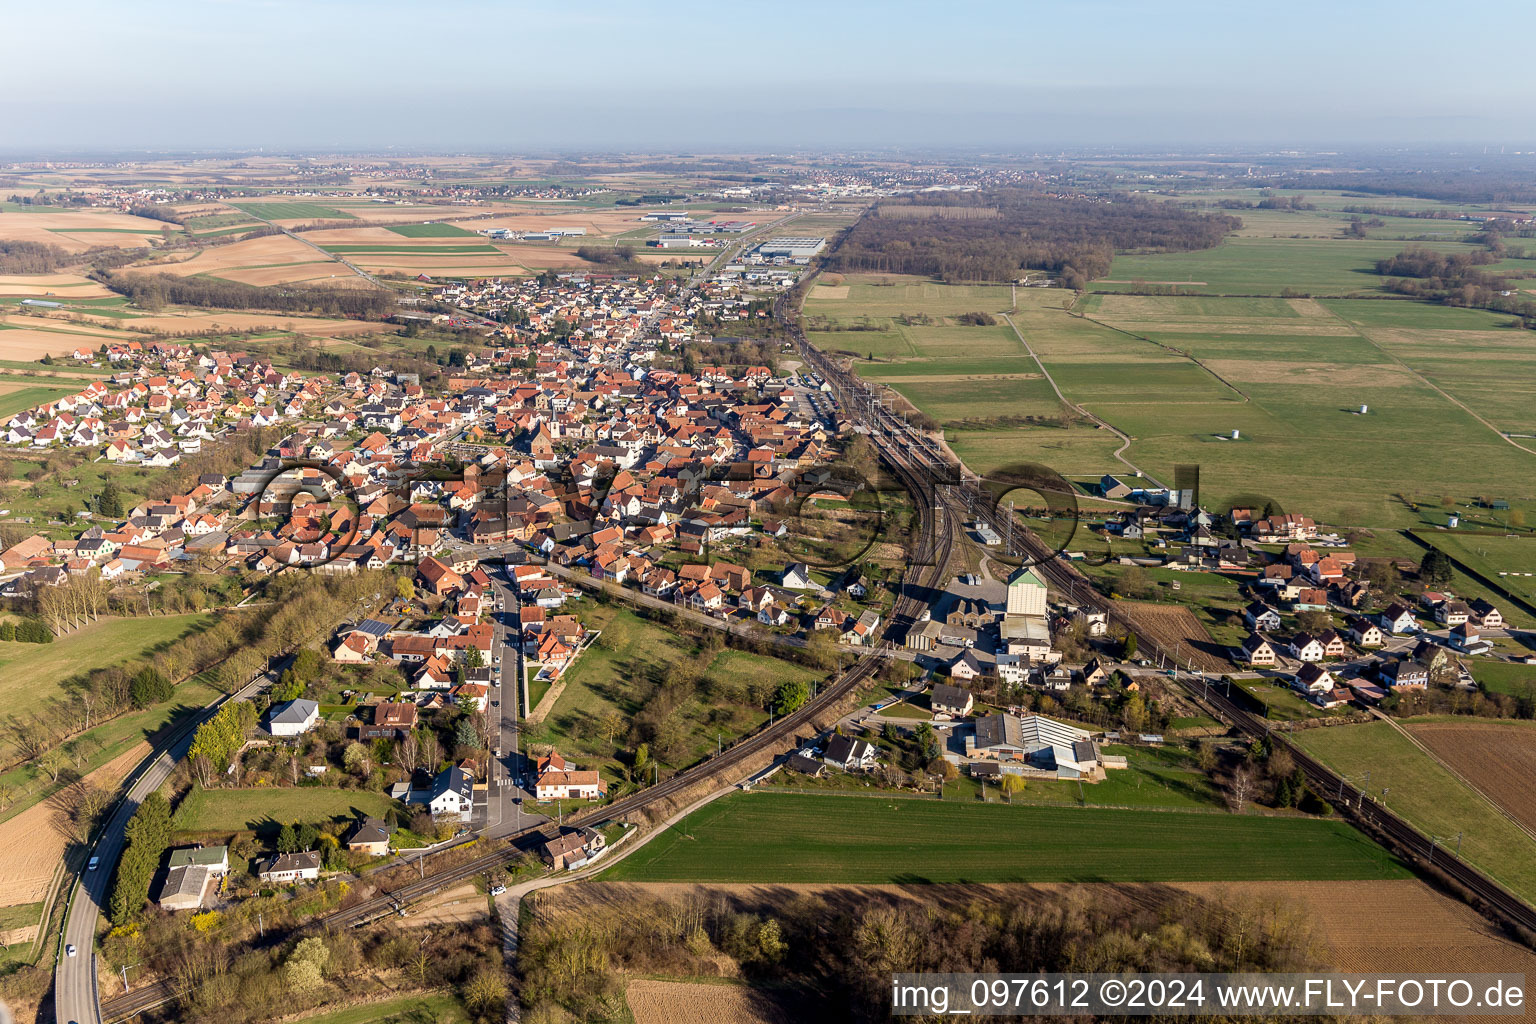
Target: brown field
<point>1383,926</point>
<point>224,320</point>
<point>599,223</point>
<point>33,842</point>
<point>272,250</point>
<point>28,345</point>
<point>692,1002</point>
<point>383,236</point>
<point>47,323</point>
<point>1170,623</point>
<point>295,273</point>
<point>53,226</point>
<point>62,285</point>
<point>1498,759</point>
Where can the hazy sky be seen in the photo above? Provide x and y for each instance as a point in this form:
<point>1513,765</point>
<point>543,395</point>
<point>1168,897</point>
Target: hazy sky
<point>507,75</point>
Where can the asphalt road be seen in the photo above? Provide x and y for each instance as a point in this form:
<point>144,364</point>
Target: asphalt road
<point>74,979</point>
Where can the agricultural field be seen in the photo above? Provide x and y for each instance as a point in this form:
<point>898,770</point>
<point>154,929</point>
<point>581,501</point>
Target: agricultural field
<point>59,287</point>
<point>291,211</point>
<point>79,229</point>
<point>266,810</point>
<point>767,837</point>
<point>1505,677</point>
<point>653,1001</point>
<point>1429,797</point>
<point>1170,624</point>
<point>1266,266</point>
<point>1497,758</point>
<point>431,230</point>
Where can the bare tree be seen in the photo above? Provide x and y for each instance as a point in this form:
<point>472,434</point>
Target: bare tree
<point>1240,789</point>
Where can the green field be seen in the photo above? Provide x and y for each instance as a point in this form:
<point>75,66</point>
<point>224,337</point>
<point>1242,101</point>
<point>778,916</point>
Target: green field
<point>414,250</point>
<point>1267,266</point>
<point>767,837</point>
<point>293,211</point>
<point>104,742</point>
<point>422,1008</point>
<point>430,230</point>
<point>1429,797</point>
<point>35,671</point>
<point>22,399</point>
<point>261,810</point>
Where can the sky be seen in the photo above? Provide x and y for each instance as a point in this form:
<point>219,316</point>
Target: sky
<point>510,76</point>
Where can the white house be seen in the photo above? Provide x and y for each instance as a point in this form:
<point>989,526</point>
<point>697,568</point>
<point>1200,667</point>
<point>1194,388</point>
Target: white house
<point>293,718</point>
<point>292,867</point>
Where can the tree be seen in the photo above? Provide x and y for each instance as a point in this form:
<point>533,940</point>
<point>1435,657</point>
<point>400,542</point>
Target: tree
<point>1240,791</point>
<point>309,836</point>
<point>641,763</point>
<point>287,839</point>
<point>1128,649</point>
<point>486,991</point>
<point>404,588</point>
<point>770,941</point>
<point>465,734</point>
<point>110,502</point>
<point>791,694</point>
<point>1435,570</point>
<point>1011,785</point>
<point>149,687</point>
<point>305,968</point>
<point>356,760</point>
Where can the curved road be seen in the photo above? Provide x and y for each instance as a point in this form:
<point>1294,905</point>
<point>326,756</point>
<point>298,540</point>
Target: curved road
<point>74,978</point>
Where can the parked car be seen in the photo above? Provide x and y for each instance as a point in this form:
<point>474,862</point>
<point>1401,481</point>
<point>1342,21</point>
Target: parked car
<point>497,890</point>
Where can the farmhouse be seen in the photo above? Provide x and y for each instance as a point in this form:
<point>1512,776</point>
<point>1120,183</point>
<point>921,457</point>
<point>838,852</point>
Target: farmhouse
<point>292,867</point>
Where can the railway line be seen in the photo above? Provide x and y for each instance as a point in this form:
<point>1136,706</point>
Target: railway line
<point>926,574</point>
<point>964,495</point>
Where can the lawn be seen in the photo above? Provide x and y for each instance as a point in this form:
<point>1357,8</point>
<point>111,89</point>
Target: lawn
<point>422,1008</point>
<point>768,837</point>
<point>1429,797</point>
<point>37,670</point>
<point>1504,677</point>
<point>262,810</point>
<point>616,675</point>
<point>430,230</point>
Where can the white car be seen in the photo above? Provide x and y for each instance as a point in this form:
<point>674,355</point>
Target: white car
<point>70,950</point>
<point>498,890</point>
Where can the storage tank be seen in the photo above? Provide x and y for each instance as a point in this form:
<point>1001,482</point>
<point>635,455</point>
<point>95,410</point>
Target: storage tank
<point>1236,434</point>
<point>1364,409</point>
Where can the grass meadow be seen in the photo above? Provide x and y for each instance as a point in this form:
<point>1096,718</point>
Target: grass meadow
<point>792,838</point>
<point>1429,797</point>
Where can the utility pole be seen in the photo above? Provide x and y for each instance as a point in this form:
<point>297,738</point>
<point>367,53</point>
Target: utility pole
<point>125,977</point>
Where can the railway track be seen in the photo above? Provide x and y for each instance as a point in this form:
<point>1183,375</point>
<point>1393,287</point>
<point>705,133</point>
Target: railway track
<point>919,580</point>
<point>958,492</point>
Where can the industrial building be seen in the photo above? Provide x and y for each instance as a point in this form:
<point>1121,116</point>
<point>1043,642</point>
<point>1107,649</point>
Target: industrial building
<point>791,247</point>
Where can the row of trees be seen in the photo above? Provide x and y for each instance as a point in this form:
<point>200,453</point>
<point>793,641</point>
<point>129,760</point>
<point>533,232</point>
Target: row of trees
<point>1075,238</point>
<point>148,834</point>
<point>153,291</point>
